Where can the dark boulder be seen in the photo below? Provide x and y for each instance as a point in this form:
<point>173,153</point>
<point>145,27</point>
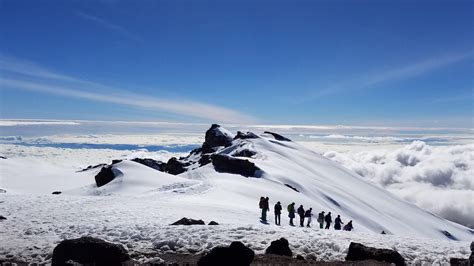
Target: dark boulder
<point>175,166</point>
<point>213,223</point>
<point>188,221</point>
<point>277,136</point>
<point>237,254</point>
<point>205,159</point>
<point>56,192</point>
<point>157,165</point>
<point>248,135</point>
<point>3,157</point>
<point>106,174</point>
<point>279,247</point>
<point>229,164</point>
<point>244,153</point>
<point>459,262</point>
<point>2,217</point>
<point>216,137</point>
<point>89,250</point>
<point>358,252</point>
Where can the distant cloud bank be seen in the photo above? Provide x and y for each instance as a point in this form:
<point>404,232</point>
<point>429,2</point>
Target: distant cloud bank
<point>437,178</point>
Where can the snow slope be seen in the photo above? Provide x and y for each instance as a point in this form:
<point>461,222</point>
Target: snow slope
<point>136,208</point>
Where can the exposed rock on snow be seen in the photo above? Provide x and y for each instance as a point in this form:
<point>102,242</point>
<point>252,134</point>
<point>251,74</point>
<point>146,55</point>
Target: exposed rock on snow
<point>56,192</point>
<point>213,223</point>
<point>106,174</point>
<point>89,250</point>
<point>188,221</point>
<point>248,135</point>
<point>277,136</point>
<point>279,247</point>
<point>2,217</point>
<point>359,252</point>
<point>90,167</point>
<point>216,137</point>
<point>244,153</point>
<point>292,187</point>
<point>3,157</point>
<point>175,167</point>
<point>237,254</point>
<point>228,164</point>
<point>157,165</point>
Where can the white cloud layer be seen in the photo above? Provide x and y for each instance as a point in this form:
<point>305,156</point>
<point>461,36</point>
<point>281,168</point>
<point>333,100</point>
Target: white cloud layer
<point>437,178</point>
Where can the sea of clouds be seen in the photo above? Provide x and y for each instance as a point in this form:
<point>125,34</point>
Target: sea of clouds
<point>437,178</point>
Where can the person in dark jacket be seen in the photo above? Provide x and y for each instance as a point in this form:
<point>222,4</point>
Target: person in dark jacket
<point>265,209</point>
<point>308,214</point>
<point>328,220</point>
<point>337,223</point>
<point>321,219</point>
<point>301,214</point>
<point>260,205</point>
<point>277,211</point>
<point>291,213</point>
<point>348,226</point>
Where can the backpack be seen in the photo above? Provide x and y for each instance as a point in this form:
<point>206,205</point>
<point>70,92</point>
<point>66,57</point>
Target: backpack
<point>290,208</point>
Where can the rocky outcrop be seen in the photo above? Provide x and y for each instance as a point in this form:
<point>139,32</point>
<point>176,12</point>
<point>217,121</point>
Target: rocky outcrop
<point>157,165</point>
<point>229,164</point>
<point>464,262</point>
<point>237,254</point>
<point>90,167</point>
<point>2,217</point>
<point>359,252</point>
<point>279,247</point>
<point>216,136</point>
<point>277,136</point>
<point>248,135</point>
<point>106,174</point>
<point>175,166</point>
<point>56,192</point>
<point>213,223</point>
<point>188,221</point>
<point>244,153</point>
<point>89,250</point>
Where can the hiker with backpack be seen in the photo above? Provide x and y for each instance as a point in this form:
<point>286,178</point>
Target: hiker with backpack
<point>348,226</point>
<point>337,223</point>
<point>308,215</point>
<point>301,214</point>
<point>328,220</point>
<point>277,211</point>
<point>321,219</point>
<point>291,213</point>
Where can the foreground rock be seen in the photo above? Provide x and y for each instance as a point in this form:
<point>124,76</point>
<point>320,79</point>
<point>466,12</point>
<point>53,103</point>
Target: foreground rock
<point>106,174</point>
<point>89,250</point>
<point>237,254</point>
<point>464,262</point>
<point>279,247</point>
<point>359,252</point>
<point>188,221</point>
<point>229,164</point>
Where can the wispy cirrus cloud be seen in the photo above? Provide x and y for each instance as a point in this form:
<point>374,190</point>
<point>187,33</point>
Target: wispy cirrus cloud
<point>21,74</point>
<point>404,72</point>
<point>109,26</point>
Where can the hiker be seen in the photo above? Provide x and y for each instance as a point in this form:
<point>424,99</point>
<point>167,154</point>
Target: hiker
<point>277,211</point>
<point>337,223</point>
<point>348,226</point>
<point>260,205</point>
<point>301,214</point>
<point>308,215</point>
<point>265,209</point>
<point>328,220</point>
<point>291,213</point>
<point>321,219</point>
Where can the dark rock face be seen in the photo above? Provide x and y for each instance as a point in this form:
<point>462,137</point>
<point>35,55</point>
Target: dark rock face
<point>213,223</point>
<point>359,252</point>
<point>188,221</point>
<point>237,254</point>
<point>2,217</point>
<point>92,167</point>
<point>175,166</point>
<point>292,187</point>
<point>157,165</point>
<point>56,192</point>
<point>248,135</point>
<point>105,175</point>
<point>116,161</point>
<point>459,262</point>
<point>89,250</point>
<point>216,137</point>
<point>279,247</point>
<point>277,136</point>
<point>228,164</point>
<point>245,153</point>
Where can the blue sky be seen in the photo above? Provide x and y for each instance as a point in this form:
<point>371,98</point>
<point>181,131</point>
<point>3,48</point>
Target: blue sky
<point>281,62</point>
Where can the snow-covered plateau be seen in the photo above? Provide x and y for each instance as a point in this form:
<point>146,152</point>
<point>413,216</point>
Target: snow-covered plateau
<point>137,207</point>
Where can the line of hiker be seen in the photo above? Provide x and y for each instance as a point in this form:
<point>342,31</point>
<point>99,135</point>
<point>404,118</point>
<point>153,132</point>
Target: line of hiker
<point>303,214</point>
